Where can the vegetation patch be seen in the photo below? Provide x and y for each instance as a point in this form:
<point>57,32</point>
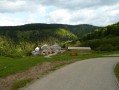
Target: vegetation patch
<point>103,39</point>
<point>19,41</point>
<point>20,84</point>
<point>34,73</point>
<point>117,71</point>
<point>13,70</point>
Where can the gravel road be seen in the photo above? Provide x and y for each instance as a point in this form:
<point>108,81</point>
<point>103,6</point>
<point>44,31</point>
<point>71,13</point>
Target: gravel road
<point>92,74</point>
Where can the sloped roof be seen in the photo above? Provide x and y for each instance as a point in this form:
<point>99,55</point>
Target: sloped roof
<point>37,49</point>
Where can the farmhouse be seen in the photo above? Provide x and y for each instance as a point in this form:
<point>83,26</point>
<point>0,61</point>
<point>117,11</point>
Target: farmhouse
<point>46,50</point>
<point>36,51</point>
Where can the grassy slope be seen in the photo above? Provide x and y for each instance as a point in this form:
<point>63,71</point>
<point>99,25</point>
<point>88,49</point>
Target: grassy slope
<point>13,65</point>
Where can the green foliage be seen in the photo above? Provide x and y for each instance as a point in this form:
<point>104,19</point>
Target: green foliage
<point>20,84</point>
<point>19,41</point>
<point>81,30</point>
<point>105,39</point>
<point>116,70</point>
<point>106,47</point>
<point>78,30</point>
<point>10,65</point>
<point>104,44</point>
<point>108,32</point>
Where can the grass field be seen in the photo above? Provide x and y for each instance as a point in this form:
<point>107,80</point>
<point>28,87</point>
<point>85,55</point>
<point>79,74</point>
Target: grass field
<point>10,66</point>
<point>13,65</point>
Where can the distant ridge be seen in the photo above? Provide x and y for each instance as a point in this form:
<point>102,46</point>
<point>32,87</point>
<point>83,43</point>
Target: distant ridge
<point>78,30</point>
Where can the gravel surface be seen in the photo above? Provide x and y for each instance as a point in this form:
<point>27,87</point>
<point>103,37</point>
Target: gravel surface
<point>93,74</point>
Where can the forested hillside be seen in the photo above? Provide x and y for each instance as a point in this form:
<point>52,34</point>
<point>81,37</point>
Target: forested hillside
<point>105,39</point>
<point>22,39</point>
<point>79,30</point>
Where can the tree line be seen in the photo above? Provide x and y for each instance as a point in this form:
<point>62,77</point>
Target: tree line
<point>104,39</point>
<point>21,40</point>
<point>19,43</point>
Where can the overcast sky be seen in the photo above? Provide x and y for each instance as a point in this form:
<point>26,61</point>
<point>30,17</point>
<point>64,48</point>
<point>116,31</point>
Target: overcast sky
<point>95,12</point>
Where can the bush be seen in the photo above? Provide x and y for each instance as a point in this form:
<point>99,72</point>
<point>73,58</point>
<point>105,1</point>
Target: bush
<point>104,44</point>
<point>105,47</point>
<point>14,53</point>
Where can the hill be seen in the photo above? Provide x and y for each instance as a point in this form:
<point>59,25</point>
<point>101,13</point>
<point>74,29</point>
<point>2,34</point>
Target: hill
<point>26,37</point>
<point>81,30</point>
<point>78,30</point>
<point>105,39</point>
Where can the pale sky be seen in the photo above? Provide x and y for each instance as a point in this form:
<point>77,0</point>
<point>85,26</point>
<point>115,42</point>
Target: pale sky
<point>94,12</point>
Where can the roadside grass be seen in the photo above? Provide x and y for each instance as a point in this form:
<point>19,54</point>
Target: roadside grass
<point>10,66</point>
<point>107,52</point>
<point>117,71</point>
<point>13,65</point>
<point>20,84</point>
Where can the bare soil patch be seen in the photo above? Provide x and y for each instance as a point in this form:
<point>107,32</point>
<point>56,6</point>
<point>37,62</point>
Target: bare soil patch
<point>33,73</point>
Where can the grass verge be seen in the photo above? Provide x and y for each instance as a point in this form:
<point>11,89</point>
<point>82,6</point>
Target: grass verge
<point>20,84</point>
<point>10,66</point>
<point>117,71</point>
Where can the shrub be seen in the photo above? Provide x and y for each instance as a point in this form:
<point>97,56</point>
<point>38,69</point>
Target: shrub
<point>105,47</point>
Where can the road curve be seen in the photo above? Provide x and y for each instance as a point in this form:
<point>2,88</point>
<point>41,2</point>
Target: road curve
<point>92,74</point>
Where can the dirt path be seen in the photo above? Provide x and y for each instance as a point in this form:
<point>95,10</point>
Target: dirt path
<point>35,72</point>
<point>93,74</point>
